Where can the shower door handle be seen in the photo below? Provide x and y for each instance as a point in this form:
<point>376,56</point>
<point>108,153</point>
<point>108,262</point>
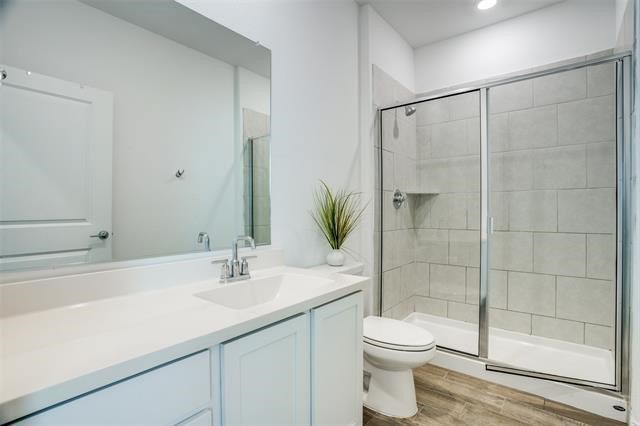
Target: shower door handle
<point>491,225</point>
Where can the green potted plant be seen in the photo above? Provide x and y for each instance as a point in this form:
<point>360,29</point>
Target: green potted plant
<point>337,214</point>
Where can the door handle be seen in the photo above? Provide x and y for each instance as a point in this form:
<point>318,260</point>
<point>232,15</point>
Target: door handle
<point>102,235</point>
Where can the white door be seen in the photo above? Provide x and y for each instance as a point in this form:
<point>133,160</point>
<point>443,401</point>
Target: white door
<point>55,171</point>
<point>336,362</point>
<point>265,376</point>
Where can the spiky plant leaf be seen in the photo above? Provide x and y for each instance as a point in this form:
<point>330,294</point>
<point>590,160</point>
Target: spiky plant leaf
<point>337,214</point>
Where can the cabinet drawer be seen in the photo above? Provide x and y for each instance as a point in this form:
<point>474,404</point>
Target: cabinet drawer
<point>164,395</point>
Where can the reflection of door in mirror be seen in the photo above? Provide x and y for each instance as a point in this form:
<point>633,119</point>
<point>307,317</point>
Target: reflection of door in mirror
<point>257,212</point>
<point>55,171</point>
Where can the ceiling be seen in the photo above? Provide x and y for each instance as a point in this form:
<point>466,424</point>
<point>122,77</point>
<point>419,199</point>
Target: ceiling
<point>422,22</point>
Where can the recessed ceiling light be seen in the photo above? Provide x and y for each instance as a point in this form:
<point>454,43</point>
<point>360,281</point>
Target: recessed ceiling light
<point>486,4</point>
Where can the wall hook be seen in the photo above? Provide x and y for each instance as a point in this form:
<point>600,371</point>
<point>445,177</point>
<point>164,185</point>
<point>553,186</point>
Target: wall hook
<point>179,173</point>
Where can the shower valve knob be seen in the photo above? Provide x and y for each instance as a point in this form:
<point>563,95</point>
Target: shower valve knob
<point>399,199</point>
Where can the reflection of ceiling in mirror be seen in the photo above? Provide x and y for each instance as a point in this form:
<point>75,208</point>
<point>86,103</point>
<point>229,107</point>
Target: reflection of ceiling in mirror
<point>181,24</point>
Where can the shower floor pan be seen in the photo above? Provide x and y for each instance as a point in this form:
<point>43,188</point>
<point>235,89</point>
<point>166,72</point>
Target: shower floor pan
<point>522,351</point>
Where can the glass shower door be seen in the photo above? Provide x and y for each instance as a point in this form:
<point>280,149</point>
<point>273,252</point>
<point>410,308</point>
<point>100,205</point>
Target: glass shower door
<point>553,285</point>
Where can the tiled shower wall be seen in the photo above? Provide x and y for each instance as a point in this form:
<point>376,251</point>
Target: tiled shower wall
<point>398,152</point>
<point>553,171</point>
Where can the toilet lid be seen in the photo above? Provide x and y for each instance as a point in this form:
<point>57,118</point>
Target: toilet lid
<point>394,334</point>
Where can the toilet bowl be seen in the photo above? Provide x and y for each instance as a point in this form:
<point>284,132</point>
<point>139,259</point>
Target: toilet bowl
<point>392,349</point>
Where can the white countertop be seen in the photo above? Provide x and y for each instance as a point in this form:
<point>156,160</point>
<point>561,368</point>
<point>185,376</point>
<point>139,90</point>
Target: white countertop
<point>52,355</point>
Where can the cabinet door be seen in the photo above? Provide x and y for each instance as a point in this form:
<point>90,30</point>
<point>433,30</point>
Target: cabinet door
<point>265,376</point>
<point>336,362</point>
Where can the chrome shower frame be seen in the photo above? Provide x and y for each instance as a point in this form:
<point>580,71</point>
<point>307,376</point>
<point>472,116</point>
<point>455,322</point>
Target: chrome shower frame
<point>624,89</point>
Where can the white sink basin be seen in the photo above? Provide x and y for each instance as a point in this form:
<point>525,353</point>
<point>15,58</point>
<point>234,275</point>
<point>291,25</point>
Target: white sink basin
<point>258,291</point>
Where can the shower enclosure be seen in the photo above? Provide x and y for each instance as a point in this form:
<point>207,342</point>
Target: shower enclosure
<point>501,228</point>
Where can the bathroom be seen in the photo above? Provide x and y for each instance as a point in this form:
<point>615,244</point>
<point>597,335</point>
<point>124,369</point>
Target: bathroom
<point>161,167</point>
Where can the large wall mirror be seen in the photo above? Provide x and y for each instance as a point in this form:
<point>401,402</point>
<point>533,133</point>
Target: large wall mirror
<point>128,130</point>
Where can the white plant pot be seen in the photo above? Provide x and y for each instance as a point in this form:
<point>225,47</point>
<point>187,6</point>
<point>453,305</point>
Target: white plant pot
<point>335,258</point>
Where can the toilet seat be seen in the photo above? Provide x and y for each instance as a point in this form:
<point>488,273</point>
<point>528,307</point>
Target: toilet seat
<point>396,335</point>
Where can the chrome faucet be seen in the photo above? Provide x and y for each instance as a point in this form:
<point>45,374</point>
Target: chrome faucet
<point>203,237</point>
<point>234,269</point>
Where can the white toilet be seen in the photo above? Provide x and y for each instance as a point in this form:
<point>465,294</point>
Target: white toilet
<point>392,349</point>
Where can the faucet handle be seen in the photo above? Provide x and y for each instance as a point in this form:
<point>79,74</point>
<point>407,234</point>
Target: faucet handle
<point>244,266</point>
<point>224,271</point>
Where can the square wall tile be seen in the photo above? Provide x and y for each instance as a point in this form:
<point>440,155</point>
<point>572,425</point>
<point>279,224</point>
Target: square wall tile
<point>500,210</point>
<point>473,285</point>
<point>559,329</point>
<point>601,256</point>
<point>473,211</point>
<point>463,312</point>
<point>499,132</point>
<point>388,173</point>
<point>508,320</point>
<point>588,120</point>
<point>466,105</point>
<point>560,87</point>
<point>511,97</point>
<point>560,168</point>
<point>389,250</point>
<point>511,171</point>
<point>447,282</point>
<point>432,245</point>
<point>405,246</point>
<point>473,136</point>
<point>448,211</point>
<point>586,300</point>
<point>449,139</point>
<point>498,289</point>
<point>401,310</point>
<point>431,112</point>
<point>533,128</point>
<point>423,142</point>
<point>391,291</point>
<point>464,248</point>
<point>601,165</point>
<point>533,211</point>
<point>587,210</point>
<point>427,305</point>
<point>559,254</point>
<point>600,336</point>
<point>532,293</point>
<point>511,251</point>
<point>601,79</point>
<point>433,175</point>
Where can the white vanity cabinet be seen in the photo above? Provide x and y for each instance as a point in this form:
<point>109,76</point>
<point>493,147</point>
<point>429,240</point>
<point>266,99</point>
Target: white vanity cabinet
<point>265,376</point>
<point>165,395</point>
<point>336,362</point>
<point>303,370</point>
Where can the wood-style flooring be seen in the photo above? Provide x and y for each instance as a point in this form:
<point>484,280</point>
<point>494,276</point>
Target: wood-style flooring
<point>446,397</point>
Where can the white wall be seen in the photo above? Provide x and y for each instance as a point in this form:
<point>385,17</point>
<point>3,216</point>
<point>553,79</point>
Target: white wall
<point>173,108</point>
<point>565,30</point>
<point>388,50</point>
<point>314,105</point>
<point>254,91</point>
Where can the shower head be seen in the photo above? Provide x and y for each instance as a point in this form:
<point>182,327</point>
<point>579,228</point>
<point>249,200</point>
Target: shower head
<point>409,110</point>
